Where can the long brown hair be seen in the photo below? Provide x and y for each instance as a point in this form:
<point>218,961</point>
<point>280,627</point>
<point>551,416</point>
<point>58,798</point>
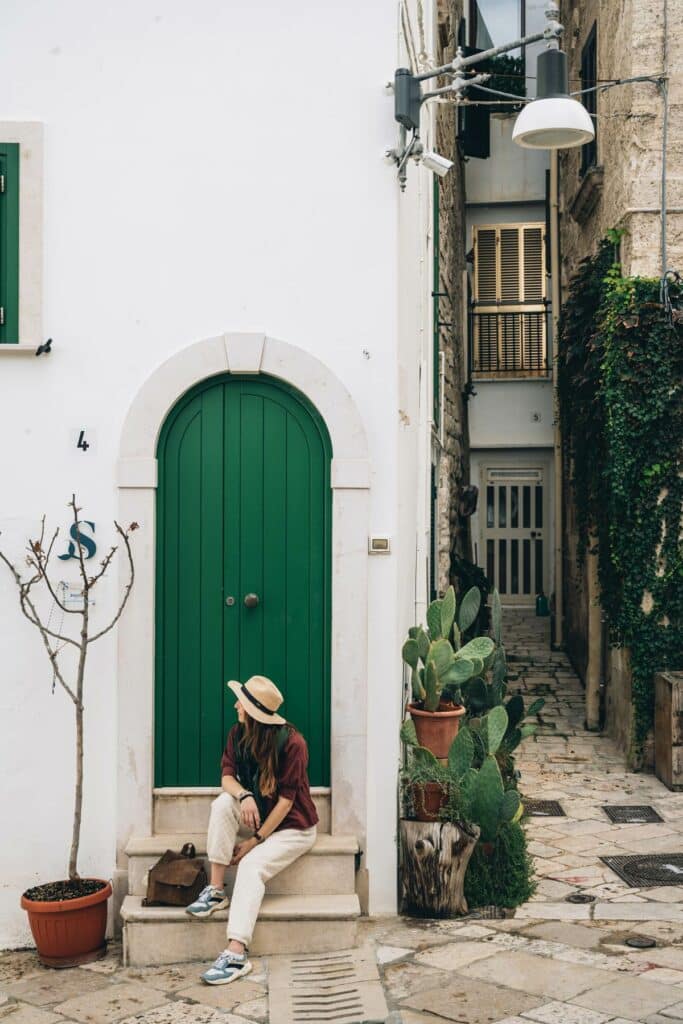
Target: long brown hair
<point>260,741</point>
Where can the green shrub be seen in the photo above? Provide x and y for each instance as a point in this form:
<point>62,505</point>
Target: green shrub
<point>505,878</point>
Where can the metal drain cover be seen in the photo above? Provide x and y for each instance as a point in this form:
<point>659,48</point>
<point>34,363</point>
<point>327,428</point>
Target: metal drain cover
<point>343,988</point>
<point>641,870</point>
<point>542,809</point>
<point>579,897</point>
<point>489,913</point>
<point>640,942</point>
<point>631,814</point>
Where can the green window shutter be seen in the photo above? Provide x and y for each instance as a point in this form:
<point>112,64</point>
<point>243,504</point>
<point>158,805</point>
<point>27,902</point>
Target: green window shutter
<point>9,242</point>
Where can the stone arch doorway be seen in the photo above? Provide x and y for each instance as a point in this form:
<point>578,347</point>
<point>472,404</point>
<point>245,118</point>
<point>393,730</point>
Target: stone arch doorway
<point>349,478</point>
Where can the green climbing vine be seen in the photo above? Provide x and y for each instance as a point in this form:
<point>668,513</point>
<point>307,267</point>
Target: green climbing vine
<point>621,408</point>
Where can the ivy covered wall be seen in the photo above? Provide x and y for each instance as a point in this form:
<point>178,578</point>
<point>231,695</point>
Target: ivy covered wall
<point>620,387</point>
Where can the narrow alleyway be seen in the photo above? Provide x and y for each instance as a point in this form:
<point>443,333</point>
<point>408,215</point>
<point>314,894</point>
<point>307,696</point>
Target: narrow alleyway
<point>554,962</point>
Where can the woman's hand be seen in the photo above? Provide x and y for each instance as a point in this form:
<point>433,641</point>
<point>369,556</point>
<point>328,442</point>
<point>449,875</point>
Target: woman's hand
<point>249,814</point>
<point>242,849</point>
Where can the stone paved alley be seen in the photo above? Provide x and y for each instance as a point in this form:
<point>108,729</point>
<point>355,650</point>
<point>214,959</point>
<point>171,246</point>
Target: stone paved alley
<point>554,962</point>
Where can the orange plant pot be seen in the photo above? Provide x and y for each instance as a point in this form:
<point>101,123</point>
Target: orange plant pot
<point>69,932</point>
<point>436,730</point>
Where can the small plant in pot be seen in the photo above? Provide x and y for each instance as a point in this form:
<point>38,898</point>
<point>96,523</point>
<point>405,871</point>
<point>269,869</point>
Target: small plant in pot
<point>440,666</point>
<point>68,918</point>
<point>424,779</point>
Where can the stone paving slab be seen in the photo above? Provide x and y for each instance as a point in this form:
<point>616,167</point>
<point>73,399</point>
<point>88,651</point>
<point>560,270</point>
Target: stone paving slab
<point>526,973</point>
<point>468,1001</point>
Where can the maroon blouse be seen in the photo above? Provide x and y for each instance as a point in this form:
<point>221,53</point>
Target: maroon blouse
<point>292,780</point>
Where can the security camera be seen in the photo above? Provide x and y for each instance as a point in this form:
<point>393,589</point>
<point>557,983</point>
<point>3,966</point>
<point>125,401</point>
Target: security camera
<point>436,163</point>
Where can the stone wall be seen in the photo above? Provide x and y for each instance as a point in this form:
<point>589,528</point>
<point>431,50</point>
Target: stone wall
<point>622,191</point>
<point>452,532</point>
<point>625,189</point>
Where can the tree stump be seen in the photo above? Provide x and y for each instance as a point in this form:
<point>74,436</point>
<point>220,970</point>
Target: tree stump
<point>434,858</point>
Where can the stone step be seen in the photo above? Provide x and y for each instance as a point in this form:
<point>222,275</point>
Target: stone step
<point>185,809</point>
<point>286,924</point>
<point>329,868</point>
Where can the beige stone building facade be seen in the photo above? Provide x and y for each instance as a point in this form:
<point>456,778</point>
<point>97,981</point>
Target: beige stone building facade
<point>619,181</point>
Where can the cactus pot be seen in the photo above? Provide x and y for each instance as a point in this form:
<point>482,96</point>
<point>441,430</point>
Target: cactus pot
<point>436,730</point>
<point>428,799</point>
<point>69,932</point>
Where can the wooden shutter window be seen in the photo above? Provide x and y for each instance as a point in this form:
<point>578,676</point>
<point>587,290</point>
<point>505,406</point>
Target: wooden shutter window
<point>9,242</point>
<point>509,303</point>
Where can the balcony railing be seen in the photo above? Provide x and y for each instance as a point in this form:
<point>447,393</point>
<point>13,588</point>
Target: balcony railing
<point>509,343</point>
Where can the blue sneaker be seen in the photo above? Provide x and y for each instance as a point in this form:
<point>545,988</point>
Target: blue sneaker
<point>209,901</point>
<point>228,967</point>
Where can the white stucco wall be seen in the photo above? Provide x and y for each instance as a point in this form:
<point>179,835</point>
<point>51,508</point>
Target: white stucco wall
<point>207,169</point>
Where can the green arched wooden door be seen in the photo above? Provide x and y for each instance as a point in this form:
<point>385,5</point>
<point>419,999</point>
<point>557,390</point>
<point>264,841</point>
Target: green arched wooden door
<point>243,507</point>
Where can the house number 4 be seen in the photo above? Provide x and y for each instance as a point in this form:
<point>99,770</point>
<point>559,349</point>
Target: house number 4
<point>82,443</point>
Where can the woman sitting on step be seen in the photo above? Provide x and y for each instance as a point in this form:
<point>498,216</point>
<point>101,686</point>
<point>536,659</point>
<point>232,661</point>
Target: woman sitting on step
<point>266,795</point>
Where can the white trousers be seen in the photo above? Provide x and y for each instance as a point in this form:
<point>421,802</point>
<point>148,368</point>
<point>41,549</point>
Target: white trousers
<point>265,861</point>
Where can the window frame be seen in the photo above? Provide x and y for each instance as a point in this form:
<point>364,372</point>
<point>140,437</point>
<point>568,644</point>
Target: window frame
<point>530,332</point>
<point>21,278</point>
<point>589,78</point>
<point>9,243</point>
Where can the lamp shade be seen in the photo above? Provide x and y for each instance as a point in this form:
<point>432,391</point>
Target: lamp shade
<point>554,120</point>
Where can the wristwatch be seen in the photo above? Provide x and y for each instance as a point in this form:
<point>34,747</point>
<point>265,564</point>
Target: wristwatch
<point>244,794</point>
<point>258,837</point>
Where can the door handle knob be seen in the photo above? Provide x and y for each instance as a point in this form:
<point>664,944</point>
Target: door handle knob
<point>251,600</point>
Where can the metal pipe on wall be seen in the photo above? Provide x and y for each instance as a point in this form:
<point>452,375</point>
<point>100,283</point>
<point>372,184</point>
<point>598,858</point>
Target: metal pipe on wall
<point>556,299</point>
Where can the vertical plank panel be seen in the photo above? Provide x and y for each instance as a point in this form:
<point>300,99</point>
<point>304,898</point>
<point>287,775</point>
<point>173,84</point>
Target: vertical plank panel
<point>251,533</point>
<point>274,609</point>
<point>317,699</point>
<point>298,577</point>
<point>211,532</point>
<point>169,583</point>
<point>189,602</point>
<point>231,513</point>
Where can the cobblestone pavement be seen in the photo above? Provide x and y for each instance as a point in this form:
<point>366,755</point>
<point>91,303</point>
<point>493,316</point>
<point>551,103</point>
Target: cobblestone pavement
<point>553,962</point>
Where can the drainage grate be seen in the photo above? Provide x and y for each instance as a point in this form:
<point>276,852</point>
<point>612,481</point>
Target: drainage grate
<point>342,987</point>
<point>632,814</point>
<point>489,913</point>
<point>639,870</point>
<point>542,809</point>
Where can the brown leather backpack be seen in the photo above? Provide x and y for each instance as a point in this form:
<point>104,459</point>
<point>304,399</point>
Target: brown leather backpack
<point>176,879</point>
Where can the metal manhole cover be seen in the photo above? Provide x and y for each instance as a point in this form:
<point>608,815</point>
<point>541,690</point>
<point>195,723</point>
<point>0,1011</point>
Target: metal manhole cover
<point>640,942</point>
<point>640,870</point>
<point>542,809</point>
<point>579,897</point>
<point>631,814</point>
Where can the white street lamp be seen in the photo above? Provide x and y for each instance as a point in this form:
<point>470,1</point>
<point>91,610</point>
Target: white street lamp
<point>553,120</point>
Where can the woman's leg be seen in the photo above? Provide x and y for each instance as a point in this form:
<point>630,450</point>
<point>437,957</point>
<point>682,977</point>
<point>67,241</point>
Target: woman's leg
<point>224,824</point>
<point>265,861</point>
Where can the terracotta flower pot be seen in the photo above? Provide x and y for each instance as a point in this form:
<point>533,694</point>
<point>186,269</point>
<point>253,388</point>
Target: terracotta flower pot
<point>436,730</point>
<point>428,799</point>
<point>69,932</point>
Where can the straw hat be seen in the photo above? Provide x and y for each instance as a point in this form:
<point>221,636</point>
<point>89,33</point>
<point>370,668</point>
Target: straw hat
<point>260,698</point>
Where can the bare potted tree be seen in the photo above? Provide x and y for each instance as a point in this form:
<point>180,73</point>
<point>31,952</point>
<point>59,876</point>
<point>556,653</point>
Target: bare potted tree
<point>68,918</point>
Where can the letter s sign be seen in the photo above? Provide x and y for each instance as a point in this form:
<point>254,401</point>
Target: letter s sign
<point>87,542</point>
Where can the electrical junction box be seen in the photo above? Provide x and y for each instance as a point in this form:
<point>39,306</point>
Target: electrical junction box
<point>379,545</point>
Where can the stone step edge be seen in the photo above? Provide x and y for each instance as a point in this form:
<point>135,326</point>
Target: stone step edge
<point>147,846</point>
<point>175,791</point>
<point>273,908</point>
